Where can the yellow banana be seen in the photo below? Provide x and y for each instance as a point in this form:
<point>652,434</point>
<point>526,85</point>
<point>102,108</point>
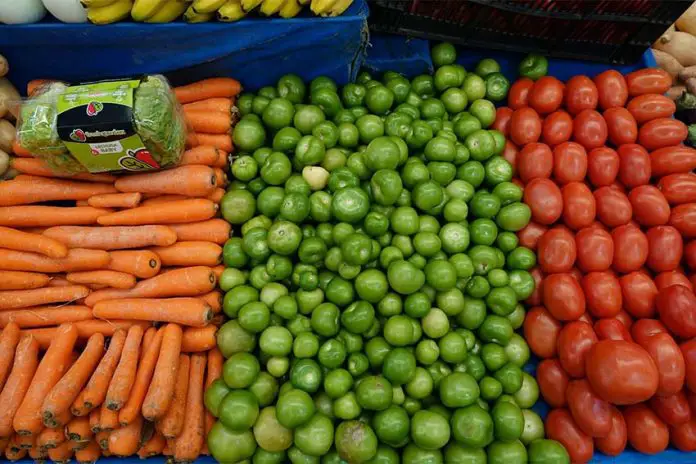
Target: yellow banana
<point>110,13</point>
<point>291,9</point>
<point>305,2</point>
<point>143,9</point>
<point>191,16</point>
<point>169,12</point>
<point>340,7</point>
<point>271,7</point>
<point>207,6</point>
<point>231,11</point>
<point>322,7</point>
<point>248,5</point>
<point>97,3</point>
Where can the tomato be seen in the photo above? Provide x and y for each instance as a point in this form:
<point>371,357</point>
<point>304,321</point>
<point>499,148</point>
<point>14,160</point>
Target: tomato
<point>625,319</point>
<point>579,206</point>
<point>650,207</point>
<point>581,94</point>
<point>544,199</point>
<point>672,160</point>
<point>669,362</point>
<point>630,248</point>
<point>525,126</point>
<point>651,106</point>
<point>645,328</point>
<point>602,166</point>
<point>621,372</point>
<point>557,128</point>
<point>648,80</point>
<point>561,427</point>
<point>688,350</point>
<point>662,132</point>
<point>613,207</point>
<point>518,96</point>
<point>569,162</point>
<point>590,412</point>
<point>535,160</point>
<point>590,129</point>
<point>621,125</point>
<point>690,254</point>
<point>536,296</point>
<point>602,294</point>
<point>665,248</point>
<point>683,436</point>
<point>611,329</point>
<point>692,279</point>
<point>586,317</point>
<point>547,95</point>
<point>553,381</point>
<point>634,165</point>
<point>541,332</point>
<point>530,235</point>
<point>676,306</point>
<point>563,297</point>
<point>639,293</point>
<point>615,442</point>
<point>669,278</point>
<point>612,89</point>
<point>674,410</point>
<point>595,249</point>
<point>647,434</point>
<point>684,219</point>
<point>502,120</point>
<point>510,153</point>
<point>556,251</point>
<point>574,343</point>
<point>679,188</point>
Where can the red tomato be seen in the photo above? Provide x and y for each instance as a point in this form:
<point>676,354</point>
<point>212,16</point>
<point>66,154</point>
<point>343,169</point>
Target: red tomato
<point>621,372</point>
<point>544,199</point>
<point>665,248</point>
<point>662,132</point>
<point>683,436</point>
<point>669,278</point>
<point>530,235</point>
<point>535,297</point>
<point>692,279</point>
<point>647,434</point>
<point>518,96</point>
<point>634,165</point>
<point>579,207</point>
<point>625,319</point>
<point>612,89</point>
<point>639,292</point>
<point>595,249</point>
<point>602,166</point>
<point>645,328</point>
<point>621,125</point>
<point>630,248</point>
<point>574,343</point>
<point>563,297</point>
<point>673,410</point>
<point>590,412</point>
<point>553,381</point>
<point>690,254</point>
<point>615,442</point>
<point>569,162</point>
<point>577,275</point>
<point>541,332</point>
<point>525,126</point>
<point>679,188</point>
<point>581,94</point>
<point>669,362</point>
<point>688,350</point>
<point>611,329</point>
<point>651,106</point>
<point>684,219</point>
<point>557,128</point>
<point>502,120</point>
<point>613,207</point>
<point>535,161</point>
<point>602,294</point>
<point>556,251</point>
<point>650,207</point>
<point>672,160</point>
<point>547,95</point>
<point>561,427</point>
<point>676,306</point>
<point>648,80</point>
<point>590,129</point>
<point>510,154</point>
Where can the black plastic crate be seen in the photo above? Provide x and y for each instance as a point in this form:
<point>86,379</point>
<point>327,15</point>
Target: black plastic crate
<point>613,31</point>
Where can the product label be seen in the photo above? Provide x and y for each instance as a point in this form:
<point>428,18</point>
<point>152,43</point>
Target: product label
<point>95,121</point>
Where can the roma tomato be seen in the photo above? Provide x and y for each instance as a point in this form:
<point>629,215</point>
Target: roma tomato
<point>502,120</point>
<point>645,328</point>
<point>669,278</point>
<point>547,95</point>
<point>536,296</point>
<point>639,293</point>
<point>648,80</point>
<point>662,132</point>
<point>690,254</point>
<point>650,207</point>
<point>561,427</point>
<point>679,188</point>
<point>556,251</point>
<point>683,218</point>
<point>634,165</point>
<point>651,106</point>
<point>595,249</point>
<point>569,163</point>
<point>530,235</point>
<point>535,161</point>
<point>683,436</point>
<point>688,350</point>
<point>602,166</point>
<point>621,125</point>
<point>615,442</point>
<point>518,96</point>
<point>590,129</point>
<point>544,199</point>
<point>563,297</point>
<point>676,306</point>
<point>669,362</point>
<point>574,343</point>
<point>673,410</point>
<point>590,412</point>
<point>541,332</point>
<point>647,434</point>
<point>665,248</point>
<point>611,329</point>
<point>630,248</point>
<point>553,381</point>
<point>612,89</point>
<point>613,207</point>
<point>510,153</point>
<point>525,126</point>
<point>581,94</point>
<point>557,128</point>
<point>692,279</point>
<point>672,160</point>
<point>625,319</point>
<point>602,294</point>
<point>579,206</point>
<point>621,372</point>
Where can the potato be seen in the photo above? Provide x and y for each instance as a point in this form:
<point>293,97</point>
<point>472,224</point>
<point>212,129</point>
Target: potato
<point>687,73</point>
<point>4,163</point>
<point>9,98</point>
<point>668,63</point>
<point>681,45</point>
<point>4,66</point>
<point>7,135</point>
<point>10,174</point>
<point>687,21</point>
<point>675,92</point>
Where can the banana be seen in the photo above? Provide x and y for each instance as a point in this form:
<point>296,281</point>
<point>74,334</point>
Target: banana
<point>305,2</point>
<point>322,7</point>
<point>169,12</point>
<point>111,13</point>
<point>291,9</point>
<point>191,16</point>
<point>231,11</point>
<point>340,7</point>
<point>97,3</point>
<point>207,6</point>
<point>143,9</point>
<point>271,7</point>
<point>248,5</point>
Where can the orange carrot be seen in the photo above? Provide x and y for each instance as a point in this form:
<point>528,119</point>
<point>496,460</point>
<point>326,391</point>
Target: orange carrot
<point>148,337</point>
<point>175,212</point>
<point>108,419</point>
<point>95,420</point>
<point>192,181</point>
<point>61,453</point>
<point>17,280</point>
<point>48,216</point>
<point>158,200</point>
<point>188,281</point>
<point>22,241</point>
<point>44,316</point>
<point>212,230</point>
<point>112,279</point>
<point>222,161</point>
<point>112,238</point>
<point>187,446</point>
<point>14,452</point>
<point>154,446</point>
<point>59,280</point>
<point>35,84</point>
<point>124,375</point>
<point>102,438</point>
<point>198,339</point>
<point>66,390</point>
<point>214,370</point>
<point>143,377</point>
<point>20,151</point>
<point>194,253</point>
<point>220,141</point>
<point>25,362</point>
<point>85,329</point>
<point>214,87</point>
<point>84,202</point>
<point>25,441</point>
<point>126,440</point>
<point>219,104</point>
<point>141,263</point>
<point>161,389</point>
<point>4,441</point>
<point>216,196</point>
<point>89,454</point>
<point>78,429</point>
<point>12,299</point>
<point>50,438</point>
<point>77,445</point>
<point>115,200</point>
<point>220,177</point>
<point>63,419</point>
<point>39,189</point>
<point>38,454</point>
<point>172,422</point>
<point>78,259</point>
<point>53,365</point>
<point>36,167</point>
<point>209,122</point>
<point>9,339</point>
<point>218,270</point>
<point>202,155</point>
<point>184,311</point>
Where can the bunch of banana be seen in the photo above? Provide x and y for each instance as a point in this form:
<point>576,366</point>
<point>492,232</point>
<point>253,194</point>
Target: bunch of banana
<point>107,11</point>
<point>284,8</point>
<point>158,11</point>
<point>231,11</point>
<point>192,16</point>
<point>330,7</point>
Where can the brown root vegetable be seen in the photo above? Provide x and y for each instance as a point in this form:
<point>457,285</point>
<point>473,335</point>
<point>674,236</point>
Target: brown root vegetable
<point>681,45</point>
<point>687,73</point>
<point>9,99</point>
<point>4,163</point>
<point>687,21</point>
<point>691,85</point>
<point>4,66</point>
<point>675,92</point>
<point>7,135</point>
<point>668,63</point>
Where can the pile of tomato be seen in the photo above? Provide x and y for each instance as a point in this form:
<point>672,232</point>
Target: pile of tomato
<point>613,200</point>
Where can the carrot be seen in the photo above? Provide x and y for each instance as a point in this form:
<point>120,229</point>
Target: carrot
<point>61,453</point>
<point>108,419</point>
<point>62,419</point>
<point>12,299</point>
<point>124,375</point>
<point>143,377</point>
<point>197,339</point>
<point>18,280</point>
<point>188,281</point>
<point>3,444</point>
<point>220,177</point>
<point>168,447</point>
<point>66,390</point>
<point>141,263</point>
<point>95,420</point>
<point>38,454</point>
<point>20,151</point>
<point>85,329</point>
<point>115,200</point>
<point>78,259</point>
<point>163,199</point>
<point>82,202</point>
<point>185,311</point>
<point>209,122</point>
<point>78,429</point>
<point>220,141</point>
<point>172,422</point>
<point>193,253</point>
<point>89,454</point>
<point>36,167</point>
<point>219,104</point>
<point>201,155</point>
<point>113,279</point>
<point>48,216</point>
<point>216,196</point>
<point>212,230</point>
<point>192,181</point>
<point>214,370</point>
<point>77,445</point>
<point>218,270</point>
<point>187,446</point>
<point>222,161</point>
<point>9,339</point>
<point>50,438</point>
<point>22,241</point>
<point>25,362</point>
<point>25,441</point>
<point>208,88</point>
<point>126,440</point>
<point>39,189</point>
<point>102,438</point>
<point>53,365</point>
<point>44,316</point>
<point>175,212</point>
<point>111,238</point>
<point>148,337</point>
<point>14,452</point>
<point>154,446</point>
<point>161,389</point>
<point>35,84</point>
